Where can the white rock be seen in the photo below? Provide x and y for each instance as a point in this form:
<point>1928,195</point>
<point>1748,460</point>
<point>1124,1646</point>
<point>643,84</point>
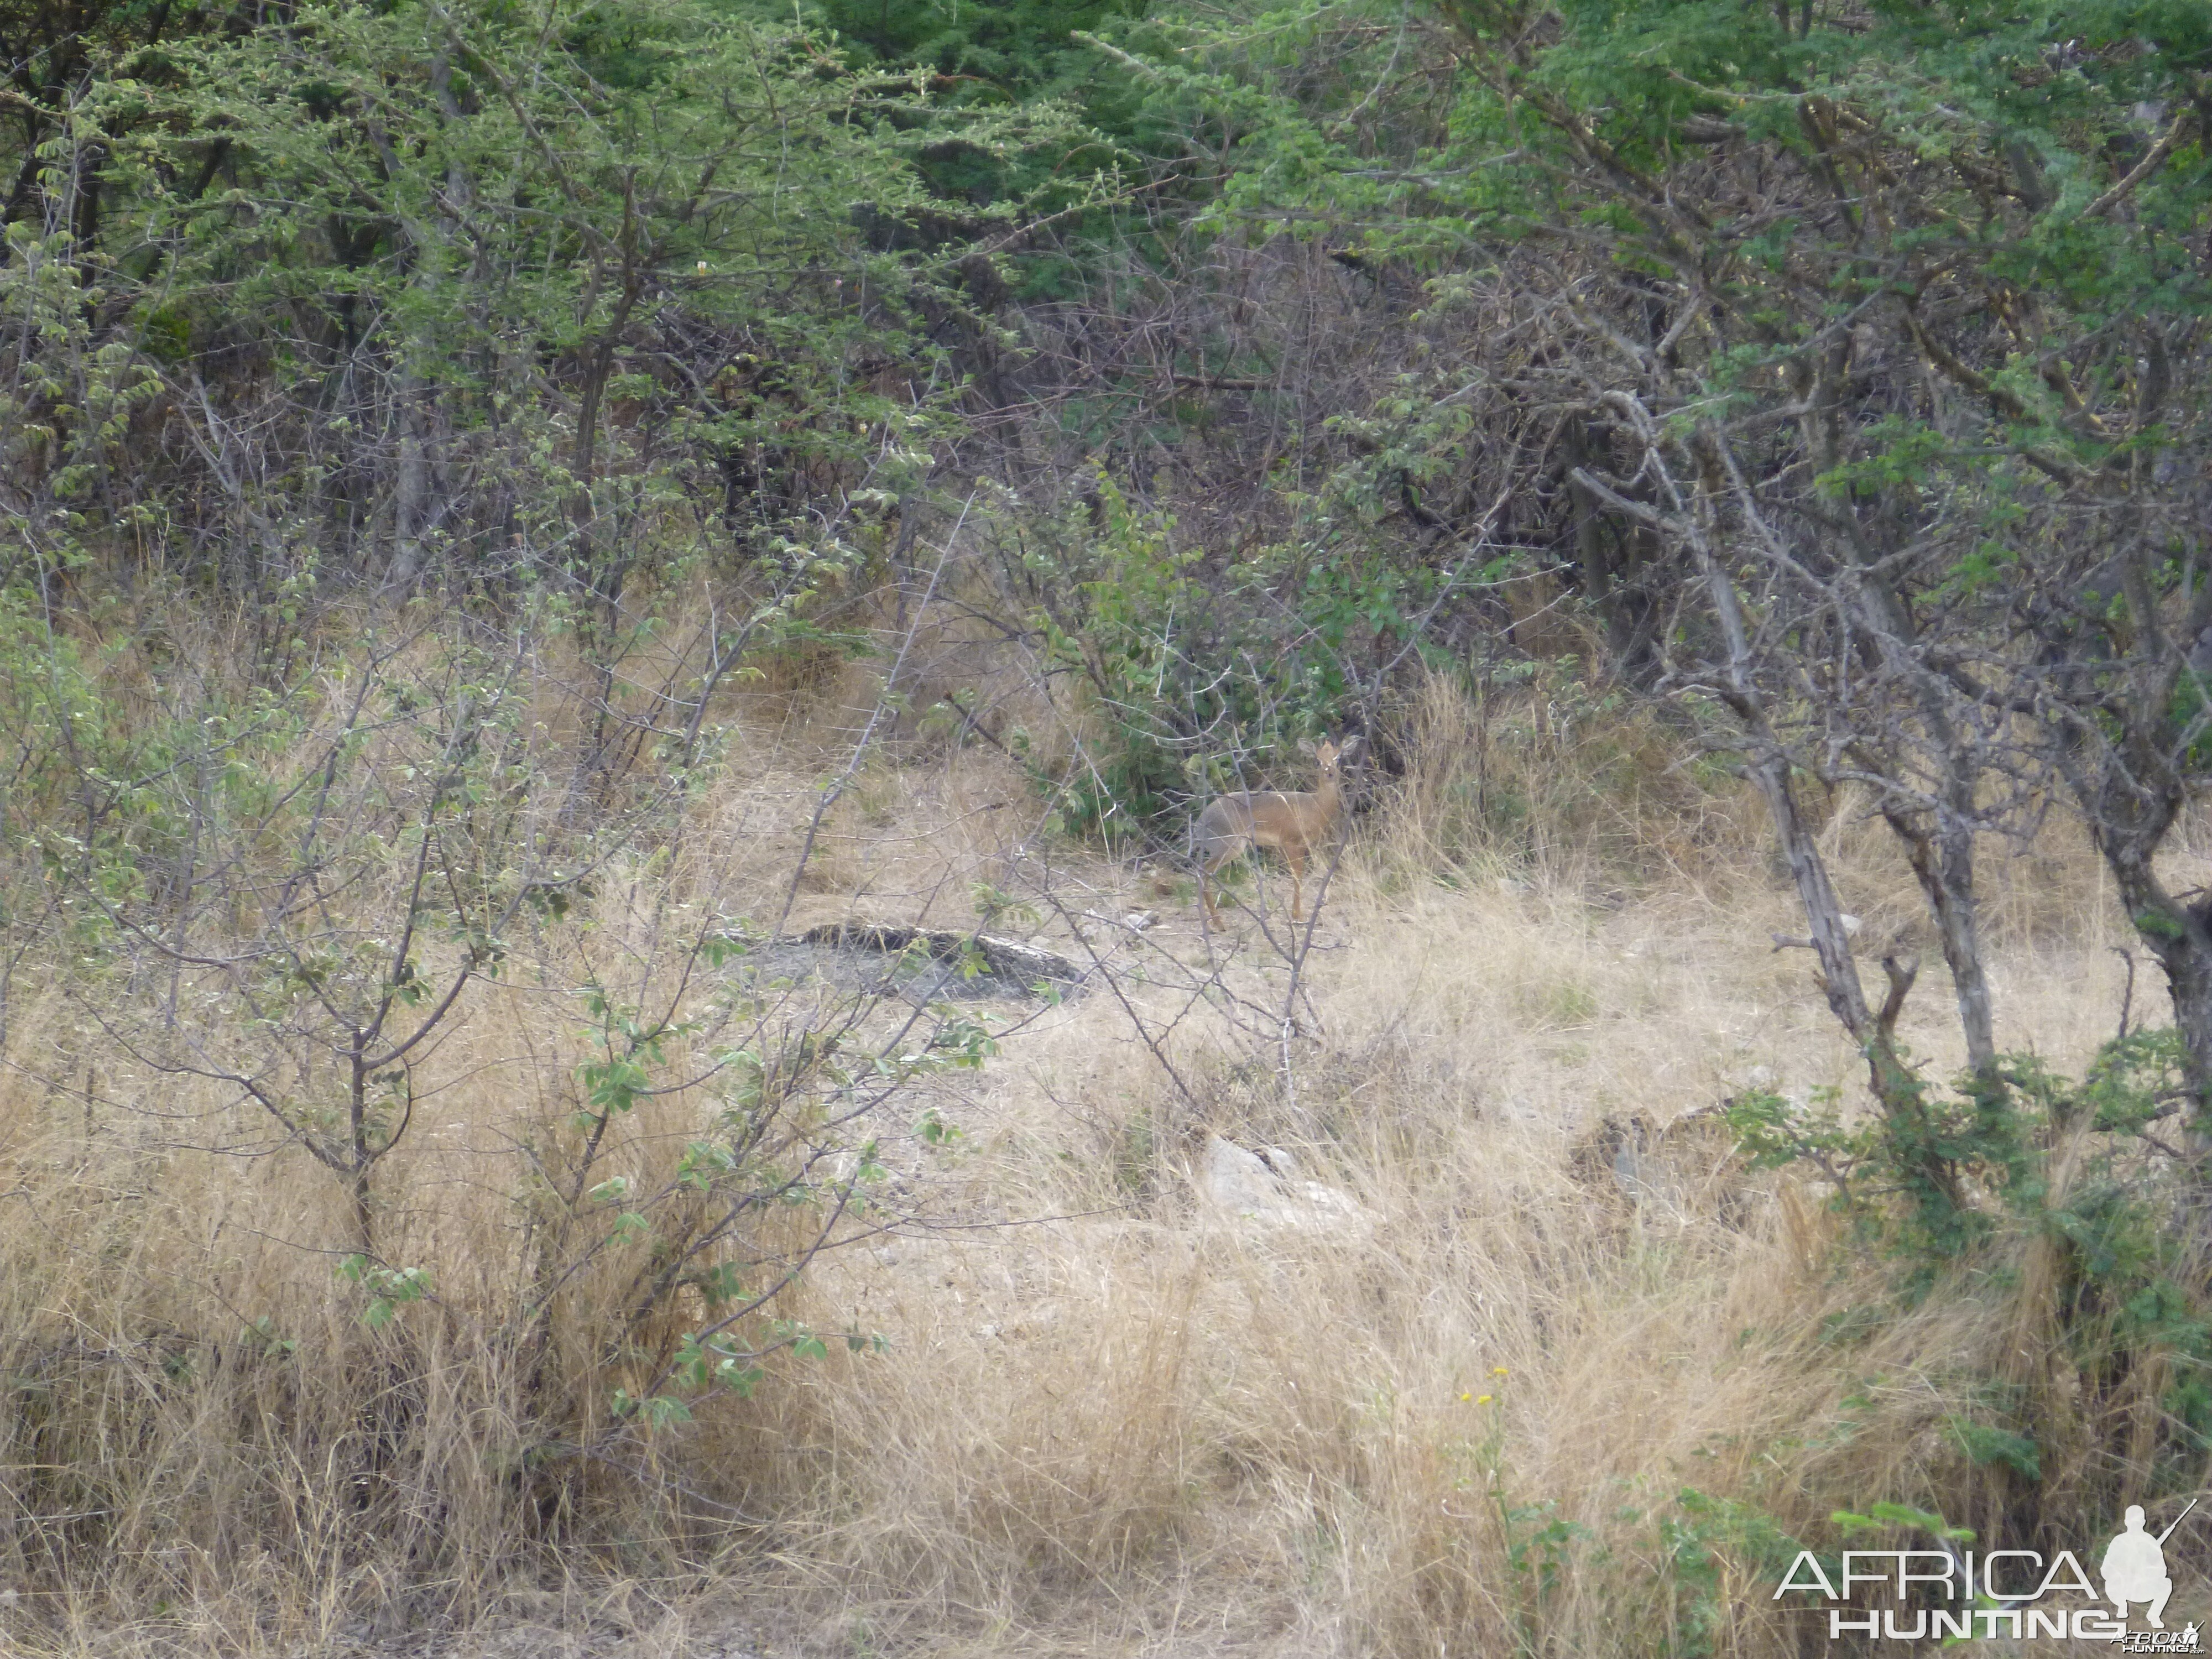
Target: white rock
<point>1264,1191</point>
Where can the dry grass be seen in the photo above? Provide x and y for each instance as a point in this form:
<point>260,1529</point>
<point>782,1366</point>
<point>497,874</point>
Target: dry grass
<point>1108,1419</point>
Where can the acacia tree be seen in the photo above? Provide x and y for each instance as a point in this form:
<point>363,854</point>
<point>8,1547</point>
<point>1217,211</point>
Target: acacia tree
<point>299,886</point>
<point>388,289</point>
<point>1871,341</point>
<point>1922,379</point>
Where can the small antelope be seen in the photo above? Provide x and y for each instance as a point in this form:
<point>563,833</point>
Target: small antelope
<point>1293,823</point>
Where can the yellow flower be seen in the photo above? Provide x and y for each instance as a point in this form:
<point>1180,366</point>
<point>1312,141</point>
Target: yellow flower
<point>1467,1397</point>
<point>1485,1401</point>
<point>1499,1370</point>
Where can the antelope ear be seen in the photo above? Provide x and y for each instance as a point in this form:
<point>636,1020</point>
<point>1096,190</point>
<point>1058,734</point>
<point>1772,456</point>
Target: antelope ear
<point>1354,746</point>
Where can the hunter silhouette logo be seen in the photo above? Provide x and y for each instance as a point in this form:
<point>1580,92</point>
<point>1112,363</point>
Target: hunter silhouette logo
<point>1953,1593</point>
<point>2134,1566</point>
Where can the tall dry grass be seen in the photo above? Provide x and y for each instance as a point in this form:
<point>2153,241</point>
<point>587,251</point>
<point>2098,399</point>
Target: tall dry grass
<point>1498,1405</point>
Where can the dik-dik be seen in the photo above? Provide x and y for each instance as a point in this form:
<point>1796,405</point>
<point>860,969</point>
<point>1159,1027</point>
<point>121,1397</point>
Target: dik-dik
<point>1294,823</point>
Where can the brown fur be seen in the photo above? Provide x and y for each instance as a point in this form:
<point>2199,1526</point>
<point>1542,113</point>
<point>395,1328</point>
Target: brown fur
<point>1292,823</point>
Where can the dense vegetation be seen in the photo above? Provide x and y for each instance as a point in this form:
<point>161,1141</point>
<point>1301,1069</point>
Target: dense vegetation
<point>424,424</point>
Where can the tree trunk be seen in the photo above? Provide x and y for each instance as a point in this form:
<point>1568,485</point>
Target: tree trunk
<point>415,513</point>
<point>410,504</point>
<point>2179,935</point>
<point>1943,861</point>
<point>360,1157</point>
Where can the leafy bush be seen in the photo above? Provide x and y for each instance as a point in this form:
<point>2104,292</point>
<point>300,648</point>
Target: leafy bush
<point>2027,1160</point>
